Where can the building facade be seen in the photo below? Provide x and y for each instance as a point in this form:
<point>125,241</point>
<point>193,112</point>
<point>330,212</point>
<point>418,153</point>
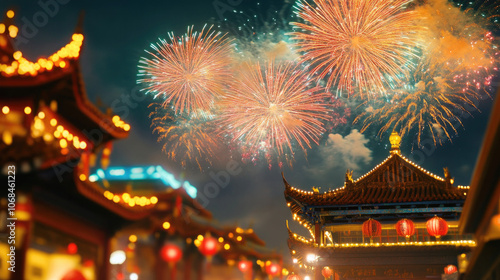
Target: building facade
<point>63,222</point>
<point>481,215</point>
<point>398,221</point>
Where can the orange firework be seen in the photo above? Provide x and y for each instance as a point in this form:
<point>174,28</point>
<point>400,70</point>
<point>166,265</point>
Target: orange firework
<point>361,45</point>
<point>434,108</point>
<point>459,42</point>
<point>186,140</point>
<point>188,72</point>
<point>273,106</point>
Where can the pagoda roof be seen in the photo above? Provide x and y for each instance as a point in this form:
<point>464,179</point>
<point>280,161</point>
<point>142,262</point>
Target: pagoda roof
<point>55,78</point>
<point>395,180</point>
<point>111,191</point>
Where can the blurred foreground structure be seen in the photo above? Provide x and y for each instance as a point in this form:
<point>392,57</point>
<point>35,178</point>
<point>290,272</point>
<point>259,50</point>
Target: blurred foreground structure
<point>481,214</point>
<point>60,221</point>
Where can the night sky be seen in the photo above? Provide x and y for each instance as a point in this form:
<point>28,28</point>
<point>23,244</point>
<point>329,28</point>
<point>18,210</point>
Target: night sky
<point>116,35</point>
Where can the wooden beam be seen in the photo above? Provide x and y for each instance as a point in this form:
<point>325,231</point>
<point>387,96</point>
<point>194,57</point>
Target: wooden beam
<point>391,211</point>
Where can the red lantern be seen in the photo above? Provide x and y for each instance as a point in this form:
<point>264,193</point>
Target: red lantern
<point>245,266</point>
<point>372,228</point>
<point>437,227</point>
<point>209,246</point>
<point>171,253</point>
<point>405,228</point>
<point>450,269</point>
<point>293,277</point>
<point>73,275</point>
<point>273,269</point>
<point>72,248</point>
<point>327,272</point>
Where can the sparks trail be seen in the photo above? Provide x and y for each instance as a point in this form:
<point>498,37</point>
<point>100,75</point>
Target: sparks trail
<point>487,11</point>
<point>363,46</point>
<point>188,140</point>
<point>272,107</point>
<point>434,108</point>
<point>261,35</point>
<point>190,71</point>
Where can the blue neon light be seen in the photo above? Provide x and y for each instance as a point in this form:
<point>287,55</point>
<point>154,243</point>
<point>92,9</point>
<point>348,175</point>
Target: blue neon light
<point>100,173</point>
<point>137,170</point>
<point>144,173</point>
<point>117,171</point>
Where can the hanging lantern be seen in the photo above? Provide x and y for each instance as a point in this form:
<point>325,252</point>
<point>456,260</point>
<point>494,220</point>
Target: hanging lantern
<point>273,269</point>
<point>437,227</point>
<point>405,228</point>
<point>326,272</point>
<point>450,269</point>
<point>293,277</point>
<point>73,275</point>
<point>72,248</point>
<point>209,246</point>
<point>245,266</point>
<point>171,253</point>
<point>372,228</point>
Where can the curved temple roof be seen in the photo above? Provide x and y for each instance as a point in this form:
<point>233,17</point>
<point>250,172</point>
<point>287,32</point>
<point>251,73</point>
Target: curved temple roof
<point>395,180</point>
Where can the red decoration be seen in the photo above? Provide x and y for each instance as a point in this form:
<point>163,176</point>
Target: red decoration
<point>437,227</point>
<point>450,269</point>
<point>84,163</point>
<point>293,277</point>
<point>72,249</point>
<point>106,152</point>
<point>405,228</point>
<point>73,275</point>
<point>273,269</point>
<point>171,253</point>
<point>88,263</point>
<point>23,210</point>
<point>245,266</point>
<point>178,206</point>
<point>327,272</point>
<point>209,246</point>
<point>372,228</point>
<point>120,276</point>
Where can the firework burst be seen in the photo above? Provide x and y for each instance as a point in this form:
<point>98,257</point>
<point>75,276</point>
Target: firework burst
<point>272,107</point>
<point>459,43</point>
<point>188,72</point>
<point>262,36</point>
<point>433,109</point>
<point>361,45</point>
<point>186,140</point>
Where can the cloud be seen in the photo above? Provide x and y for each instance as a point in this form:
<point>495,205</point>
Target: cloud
<point>341,153</point>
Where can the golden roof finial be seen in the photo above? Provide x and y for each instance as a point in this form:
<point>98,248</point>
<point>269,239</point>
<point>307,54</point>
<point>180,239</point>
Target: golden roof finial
<point>395,140</point>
